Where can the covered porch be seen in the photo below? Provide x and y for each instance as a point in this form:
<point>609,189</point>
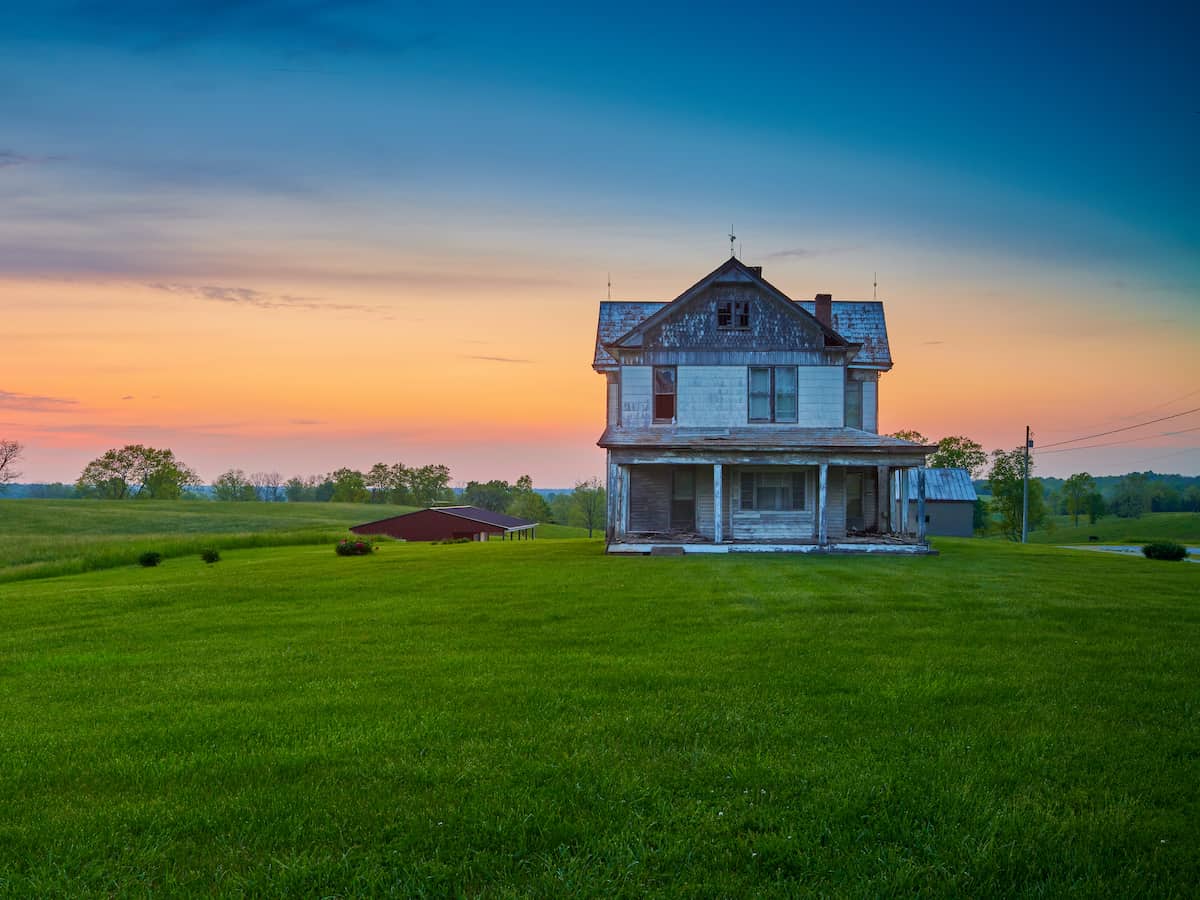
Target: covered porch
<point>689,502</point>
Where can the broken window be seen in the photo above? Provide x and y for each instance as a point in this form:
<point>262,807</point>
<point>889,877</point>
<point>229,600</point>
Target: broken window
<point>733,315</point>
<point>773,491</point>
<point>773,394</point>
<point>664,393</point>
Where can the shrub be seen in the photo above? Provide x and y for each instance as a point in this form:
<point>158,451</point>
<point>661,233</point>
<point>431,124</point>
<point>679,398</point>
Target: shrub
<point>353,548</point>
<point>453,541</point>
<point>1164,550</point>
<point>150,558</point>
<point>210,555</point>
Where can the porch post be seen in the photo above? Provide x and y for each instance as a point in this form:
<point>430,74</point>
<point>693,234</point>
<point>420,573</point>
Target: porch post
<point>921,503</point>
<point>822,506</point>
<point>904,501</point>
<point>624,510</point>
<point>610,520</point>
<point>718,518</point>
<point>883,498</point>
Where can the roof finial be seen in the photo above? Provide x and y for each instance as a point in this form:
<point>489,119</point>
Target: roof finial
<point>732,238</point>
<point>610,285</point>
<point>875,288</point>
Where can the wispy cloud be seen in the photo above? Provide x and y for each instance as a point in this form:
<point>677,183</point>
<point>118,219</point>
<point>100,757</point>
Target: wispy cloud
<point>10,159</point>
<point>499,359</point>
<point>33,402</point>
<point>305,422</point>
<point>808,252</point>
<point>259,299</point>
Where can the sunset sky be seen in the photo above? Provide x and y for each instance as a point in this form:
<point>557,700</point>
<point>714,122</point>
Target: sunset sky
<point>300,235</point>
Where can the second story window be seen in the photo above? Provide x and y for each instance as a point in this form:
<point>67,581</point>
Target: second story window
<point>664,393</point>
<point>854,404</point>
<point>733,315</point>
<point>773,394</point>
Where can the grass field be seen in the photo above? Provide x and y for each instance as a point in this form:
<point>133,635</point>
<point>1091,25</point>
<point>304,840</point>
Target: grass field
<point>1181,527</point>
<point>537,719</point>
<point>42,538</point>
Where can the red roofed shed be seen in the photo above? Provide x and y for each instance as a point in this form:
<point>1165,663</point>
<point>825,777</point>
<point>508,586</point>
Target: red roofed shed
<point>450,523</point>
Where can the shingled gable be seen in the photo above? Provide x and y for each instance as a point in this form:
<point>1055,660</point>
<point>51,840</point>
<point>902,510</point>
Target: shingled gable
<point>731,270</point>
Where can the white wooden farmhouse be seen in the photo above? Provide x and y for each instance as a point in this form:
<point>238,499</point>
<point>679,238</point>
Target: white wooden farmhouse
<point>740,419</point>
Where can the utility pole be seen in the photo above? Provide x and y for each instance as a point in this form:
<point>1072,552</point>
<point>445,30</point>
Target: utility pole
<point>1025,491</point>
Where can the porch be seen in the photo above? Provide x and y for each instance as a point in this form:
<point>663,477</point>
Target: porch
<point>779,503</point>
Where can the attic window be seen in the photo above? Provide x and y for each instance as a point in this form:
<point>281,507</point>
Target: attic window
<point>733,315</point>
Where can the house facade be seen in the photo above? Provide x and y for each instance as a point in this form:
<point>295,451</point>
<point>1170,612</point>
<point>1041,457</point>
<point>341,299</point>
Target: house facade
<point>740,419</point>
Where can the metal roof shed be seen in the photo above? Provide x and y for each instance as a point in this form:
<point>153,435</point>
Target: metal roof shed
<point>446,523</point>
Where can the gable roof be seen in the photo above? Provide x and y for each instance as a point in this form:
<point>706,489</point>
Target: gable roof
<point>471,513</point>
<point>739,272</point>
<point>858,321</point>
<point>943,484</point>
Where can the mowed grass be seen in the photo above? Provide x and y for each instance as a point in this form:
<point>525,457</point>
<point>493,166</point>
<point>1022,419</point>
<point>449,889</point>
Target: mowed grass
<point>43,538</point>
<point>1183,527</point>
<point>537,719</point>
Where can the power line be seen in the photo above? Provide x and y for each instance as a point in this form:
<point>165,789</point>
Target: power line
<point>1140,412</point>
<point>1148,437</point>
<point>1088,437</point>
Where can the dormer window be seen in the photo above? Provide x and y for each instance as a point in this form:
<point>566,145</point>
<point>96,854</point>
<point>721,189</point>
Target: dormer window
<point>733,315</point>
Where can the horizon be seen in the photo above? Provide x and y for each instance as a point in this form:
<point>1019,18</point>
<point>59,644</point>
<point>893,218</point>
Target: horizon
<point>295,238</point>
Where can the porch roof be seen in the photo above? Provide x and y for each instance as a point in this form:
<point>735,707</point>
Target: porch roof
<point>751,437</point>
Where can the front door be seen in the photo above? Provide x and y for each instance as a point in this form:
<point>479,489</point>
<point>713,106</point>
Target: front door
<point>683,499</point>
<point>854,500</point>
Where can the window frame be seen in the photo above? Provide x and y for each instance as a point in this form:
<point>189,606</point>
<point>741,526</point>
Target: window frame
<point>655,394</point>
<point>853,388</point>
<point>736,314</point>
<point>798,490</point>
<point>773,417</point>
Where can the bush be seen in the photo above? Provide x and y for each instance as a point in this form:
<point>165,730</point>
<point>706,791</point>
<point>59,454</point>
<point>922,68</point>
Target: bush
<point>209,555</point>
<point>454,541</point>
<point>150,558</point>
<point>353,548</point>
<point>1164,550</point>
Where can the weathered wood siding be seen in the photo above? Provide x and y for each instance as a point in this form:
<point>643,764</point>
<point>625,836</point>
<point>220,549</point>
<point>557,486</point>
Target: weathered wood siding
<point>649,498</point>
<point>704,499</point>
<point>836,490</point>
<point>772,325</point>
<point>613,396</point>
<point>822,397</point>
<point>871,406</point>
<point>770,525</point>
<point>711,396</point>
<point>636,396</point>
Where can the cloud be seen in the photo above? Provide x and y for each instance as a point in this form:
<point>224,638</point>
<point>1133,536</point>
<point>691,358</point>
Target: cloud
<point>932,343</point>
<point>499,359</point>
<point>33,402</point>
<point>10,159</point>
<point>807,252</point>
<point>127,397</point>
<point>258,299</point>
<point>305,422</point>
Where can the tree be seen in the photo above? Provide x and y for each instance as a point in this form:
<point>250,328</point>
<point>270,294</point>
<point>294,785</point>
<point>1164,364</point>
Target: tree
<point>349,486</point>
<point>267,485</point>
<point>379,482</point>
<point>299,489</point>
<point>234,485</point>
<point>494,495</point>
<point>908,435</point>
<point>561,506</point>
<point>957,452</point>
<point>527,503</point>
<point>1007,490</point>
<point>136,471</point>
<point>10,452</point>
<point>1076,490</point>
<point>1096,509</point>
<point>588,504</point>
<point>1132,496</point>
<point>429,484</point>
<point>980,516</point>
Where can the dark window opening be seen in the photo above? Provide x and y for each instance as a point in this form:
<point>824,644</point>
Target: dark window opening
<point>854,404</point>
<point>664,393</point>
<point>773,394</point>
<point>733,315</point>
<point>773,491</point>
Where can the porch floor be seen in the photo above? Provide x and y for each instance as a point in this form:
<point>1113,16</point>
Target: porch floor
<point>643,544</point>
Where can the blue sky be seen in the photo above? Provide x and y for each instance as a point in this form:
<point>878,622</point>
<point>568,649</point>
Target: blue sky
<point>341,148</point>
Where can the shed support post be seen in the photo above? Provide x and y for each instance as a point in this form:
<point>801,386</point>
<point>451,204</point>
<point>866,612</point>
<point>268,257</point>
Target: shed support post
<point>921,503</point>
<point>823,505</point>
<point>883,498</point>
<point>718,505</point>
<point>904,501</point>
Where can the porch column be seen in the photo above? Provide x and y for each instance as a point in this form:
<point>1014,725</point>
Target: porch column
<point>921,503</point>
<point>883,498</point>
<point>904,501</point>
<point>623,513</point>
<point>610,518</point>
<point>718,518</point>
<point>822,505</point>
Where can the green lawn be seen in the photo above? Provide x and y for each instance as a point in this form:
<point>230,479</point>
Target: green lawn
<point>42,538</point>
<point>1181,527</point>
<point>537,719</point>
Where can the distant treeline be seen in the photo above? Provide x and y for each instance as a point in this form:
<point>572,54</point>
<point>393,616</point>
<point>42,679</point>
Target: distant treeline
<point>1152,491</point>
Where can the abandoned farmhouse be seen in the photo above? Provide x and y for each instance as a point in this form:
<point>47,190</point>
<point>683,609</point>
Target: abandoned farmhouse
<point>740,419</point>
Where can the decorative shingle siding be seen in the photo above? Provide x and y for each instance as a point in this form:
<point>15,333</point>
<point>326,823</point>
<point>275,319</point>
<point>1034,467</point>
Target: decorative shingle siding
<point>771,326</point>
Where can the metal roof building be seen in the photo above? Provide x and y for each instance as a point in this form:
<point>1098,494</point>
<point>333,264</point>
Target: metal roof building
<point>447,523</point>
<point>949,502</point>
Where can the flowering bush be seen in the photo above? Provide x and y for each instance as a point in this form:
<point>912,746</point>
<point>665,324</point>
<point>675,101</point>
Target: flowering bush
<point>353,548</point>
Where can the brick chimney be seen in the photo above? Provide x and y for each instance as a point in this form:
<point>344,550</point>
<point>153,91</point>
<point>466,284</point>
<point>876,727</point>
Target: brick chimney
<point>824,309</point>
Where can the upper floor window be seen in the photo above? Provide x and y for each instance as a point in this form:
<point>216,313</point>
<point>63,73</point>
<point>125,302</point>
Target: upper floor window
<point>773,394</point>
<point>664,393</point>
<point>733,315</point>
<point>854,404</point>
